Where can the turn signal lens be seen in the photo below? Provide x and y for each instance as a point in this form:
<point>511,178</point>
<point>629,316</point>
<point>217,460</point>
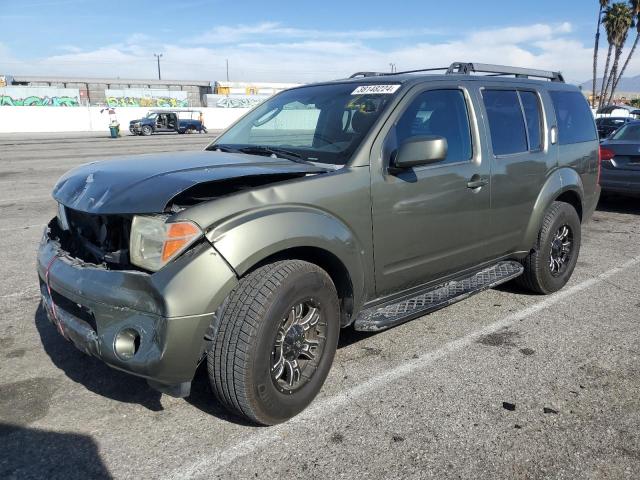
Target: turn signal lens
<point>179,236</point>
<point>154,242</point>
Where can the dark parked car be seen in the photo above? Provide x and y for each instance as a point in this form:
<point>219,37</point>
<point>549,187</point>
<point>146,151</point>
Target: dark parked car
<point>364,202</point>
<point>620,155</point>
<point>608,125</point>
<point>168,121</point>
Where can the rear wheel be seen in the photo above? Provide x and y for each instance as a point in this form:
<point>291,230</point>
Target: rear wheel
<point>276,341</point>
<point>551,263</point>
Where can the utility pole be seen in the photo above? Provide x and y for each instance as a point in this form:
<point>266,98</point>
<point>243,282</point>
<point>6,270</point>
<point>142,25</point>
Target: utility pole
<point>227,61</point>
<point>158,55</point>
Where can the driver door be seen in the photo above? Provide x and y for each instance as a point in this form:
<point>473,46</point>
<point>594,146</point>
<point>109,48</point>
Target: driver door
<point>431,220</point>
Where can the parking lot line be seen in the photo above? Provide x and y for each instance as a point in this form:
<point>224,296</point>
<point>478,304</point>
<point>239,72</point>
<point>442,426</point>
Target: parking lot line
<point>222,458</point>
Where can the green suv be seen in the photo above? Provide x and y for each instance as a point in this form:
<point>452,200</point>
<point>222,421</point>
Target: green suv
<point>359,203</point>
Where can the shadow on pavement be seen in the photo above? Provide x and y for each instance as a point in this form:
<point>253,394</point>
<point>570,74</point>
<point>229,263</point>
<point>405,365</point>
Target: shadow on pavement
<point>91,372</point>
<point>619,204</point>
<point>33,453</point>
<point>203,399</point>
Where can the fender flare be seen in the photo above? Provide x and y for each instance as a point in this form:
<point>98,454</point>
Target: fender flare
<point>560,181</point>
<point>248,239</point>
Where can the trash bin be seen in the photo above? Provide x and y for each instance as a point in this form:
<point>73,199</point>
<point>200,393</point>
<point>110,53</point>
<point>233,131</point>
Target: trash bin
<point>115,130</point>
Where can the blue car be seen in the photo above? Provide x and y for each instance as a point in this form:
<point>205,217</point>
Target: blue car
<point>167,121</point>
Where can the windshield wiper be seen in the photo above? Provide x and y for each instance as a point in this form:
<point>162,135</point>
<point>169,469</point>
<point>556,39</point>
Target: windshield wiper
<point>222,148</point>
<point>261,150</point>
<point>278,152</point>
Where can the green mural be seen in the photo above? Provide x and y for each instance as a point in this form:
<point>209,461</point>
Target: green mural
<point>146,102</point>
<point>37,101</point>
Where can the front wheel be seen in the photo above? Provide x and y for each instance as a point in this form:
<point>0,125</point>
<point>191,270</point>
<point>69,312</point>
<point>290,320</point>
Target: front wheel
<point>550,264</point>
<point>276,340</point>
<point>146,130</point>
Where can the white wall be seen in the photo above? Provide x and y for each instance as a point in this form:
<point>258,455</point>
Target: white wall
<point>89,119</point>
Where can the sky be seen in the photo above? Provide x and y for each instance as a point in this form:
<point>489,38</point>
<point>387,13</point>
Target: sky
<point>291,41</point>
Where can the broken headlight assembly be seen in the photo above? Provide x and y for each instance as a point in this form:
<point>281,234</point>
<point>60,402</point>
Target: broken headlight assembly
<point>154,242</point>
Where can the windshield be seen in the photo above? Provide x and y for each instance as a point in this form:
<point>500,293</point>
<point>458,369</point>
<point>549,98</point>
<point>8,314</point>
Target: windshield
<point>628,132</point>
<point>151,115</point>
<point>322,123</point>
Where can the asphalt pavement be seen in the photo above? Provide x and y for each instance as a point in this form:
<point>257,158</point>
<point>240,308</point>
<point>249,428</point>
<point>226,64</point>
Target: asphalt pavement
<point>502,385</point>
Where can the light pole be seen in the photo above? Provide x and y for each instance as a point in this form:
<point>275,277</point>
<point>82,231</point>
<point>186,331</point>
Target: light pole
<point>158,55</point>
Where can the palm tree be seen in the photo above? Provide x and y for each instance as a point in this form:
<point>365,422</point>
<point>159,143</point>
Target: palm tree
<point>610,39</point>
<point>635,10</point>
<point>603,4</point>
<point>617,21</point>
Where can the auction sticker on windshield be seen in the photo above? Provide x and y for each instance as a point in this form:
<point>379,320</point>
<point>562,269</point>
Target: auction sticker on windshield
<point>384,89</point>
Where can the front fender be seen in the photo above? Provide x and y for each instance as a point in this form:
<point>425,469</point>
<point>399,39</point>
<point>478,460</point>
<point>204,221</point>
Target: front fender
<point>560,181</point>
<point>252,236</point>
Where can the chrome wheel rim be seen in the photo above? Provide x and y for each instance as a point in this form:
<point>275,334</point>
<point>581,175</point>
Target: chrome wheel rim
<point>561,248</point>
<point>298,346</point>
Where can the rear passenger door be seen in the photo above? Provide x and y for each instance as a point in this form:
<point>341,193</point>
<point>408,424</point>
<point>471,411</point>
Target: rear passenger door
<point>520,154</point>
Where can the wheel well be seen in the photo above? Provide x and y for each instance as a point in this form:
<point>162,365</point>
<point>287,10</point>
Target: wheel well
<point>330,264</point>
<point>572,198</point>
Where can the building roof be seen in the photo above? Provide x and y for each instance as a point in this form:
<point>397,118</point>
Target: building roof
<point>129,81</point>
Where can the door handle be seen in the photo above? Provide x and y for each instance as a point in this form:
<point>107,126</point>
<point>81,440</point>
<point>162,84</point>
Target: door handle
<point>477,182</point>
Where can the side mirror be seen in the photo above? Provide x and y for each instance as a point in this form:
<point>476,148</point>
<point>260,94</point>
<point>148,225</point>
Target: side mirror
<point>421,151</point>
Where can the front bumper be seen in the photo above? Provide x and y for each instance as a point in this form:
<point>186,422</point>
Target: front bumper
<point>171,309</point>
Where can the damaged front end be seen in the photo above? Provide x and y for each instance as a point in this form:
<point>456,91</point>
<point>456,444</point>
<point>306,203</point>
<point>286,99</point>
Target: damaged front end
<point>97,239</point>
<point>126,281</point>
<point>149,324</point>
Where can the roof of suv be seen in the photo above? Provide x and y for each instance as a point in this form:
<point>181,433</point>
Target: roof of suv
<point>463,72</point>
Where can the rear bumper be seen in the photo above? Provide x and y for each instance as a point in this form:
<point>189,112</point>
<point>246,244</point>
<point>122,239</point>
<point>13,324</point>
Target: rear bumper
<point>620,181</point>
<point>170,310</point>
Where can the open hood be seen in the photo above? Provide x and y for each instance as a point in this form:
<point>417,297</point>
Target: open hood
<point>148,183</point>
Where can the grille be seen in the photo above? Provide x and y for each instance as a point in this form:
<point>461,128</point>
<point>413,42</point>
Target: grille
<point>101,239</point>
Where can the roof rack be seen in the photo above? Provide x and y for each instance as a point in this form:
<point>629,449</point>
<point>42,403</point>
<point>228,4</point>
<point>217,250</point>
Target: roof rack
<point>497,70</point>
<point>462,68</point>
<point>368,74</point>
<point>383,74</point>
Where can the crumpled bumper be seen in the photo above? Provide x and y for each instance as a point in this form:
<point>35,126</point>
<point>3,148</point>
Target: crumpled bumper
<point>171,310</point>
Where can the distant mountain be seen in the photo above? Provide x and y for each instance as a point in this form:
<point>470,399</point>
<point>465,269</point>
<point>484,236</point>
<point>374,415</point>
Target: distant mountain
<point>627,85</point>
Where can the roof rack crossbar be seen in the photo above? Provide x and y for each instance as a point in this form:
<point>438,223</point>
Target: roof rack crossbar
<point>467,68</point>
<point>367,74</point>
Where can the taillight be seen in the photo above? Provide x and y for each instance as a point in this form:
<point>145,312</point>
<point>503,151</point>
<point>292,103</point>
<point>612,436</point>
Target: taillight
<point>605,155</point>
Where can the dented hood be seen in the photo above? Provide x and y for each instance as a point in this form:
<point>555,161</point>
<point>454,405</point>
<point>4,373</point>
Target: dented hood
<point>147,183</point>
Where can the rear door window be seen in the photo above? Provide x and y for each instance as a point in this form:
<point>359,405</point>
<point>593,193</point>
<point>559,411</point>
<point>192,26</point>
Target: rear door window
<point>506,122</point>
<point>574,117</point>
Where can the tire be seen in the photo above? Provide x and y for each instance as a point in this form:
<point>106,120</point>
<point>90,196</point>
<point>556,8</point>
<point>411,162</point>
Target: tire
<point>244,359</point>
<point>541,274</point>
<point>146,130</point>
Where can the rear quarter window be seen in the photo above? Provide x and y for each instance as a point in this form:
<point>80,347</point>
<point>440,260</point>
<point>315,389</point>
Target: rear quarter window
<point>574,117</point>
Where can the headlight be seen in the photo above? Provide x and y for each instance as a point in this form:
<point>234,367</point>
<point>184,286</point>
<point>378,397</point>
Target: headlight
<point>154,242</point>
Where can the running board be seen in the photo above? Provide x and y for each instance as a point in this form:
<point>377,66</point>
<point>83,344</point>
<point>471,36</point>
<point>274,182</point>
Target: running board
<point>391,314</point>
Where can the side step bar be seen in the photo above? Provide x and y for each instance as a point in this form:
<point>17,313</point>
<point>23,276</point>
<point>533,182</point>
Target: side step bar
<point>381,317</point>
